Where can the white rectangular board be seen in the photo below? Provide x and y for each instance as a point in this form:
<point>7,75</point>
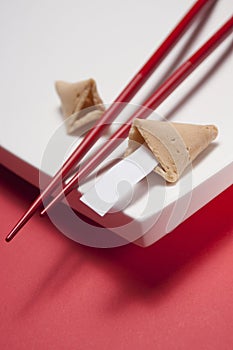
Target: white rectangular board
<point>45,41</point>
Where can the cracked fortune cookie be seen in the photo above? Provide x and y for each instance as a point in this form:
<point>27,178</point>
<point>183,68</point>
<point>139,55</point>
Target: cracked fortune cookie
<point>174,145</point>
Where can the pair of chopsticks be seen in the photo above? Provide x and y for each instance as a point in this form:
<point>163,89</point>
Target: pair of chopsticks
<point>126,95</point>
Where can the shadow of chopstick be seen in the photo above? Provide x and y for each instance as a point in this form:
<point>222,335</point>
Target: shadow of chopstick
<point>139,274</point>
<point>228,51</point>
<point>199,24</point>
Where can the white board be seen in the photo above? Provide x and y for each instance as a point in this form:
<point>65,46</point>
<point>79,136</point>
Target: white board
<point>73,40</point>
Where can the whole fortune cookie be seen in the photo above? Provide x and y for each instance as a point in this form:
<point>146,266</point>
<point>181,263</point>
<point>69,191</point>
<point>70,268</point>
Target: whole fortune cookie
<point>80,102</point>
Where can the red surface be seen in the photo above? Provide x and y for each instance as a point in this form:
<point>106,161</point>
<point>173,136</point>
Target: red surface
<point>56,294</point>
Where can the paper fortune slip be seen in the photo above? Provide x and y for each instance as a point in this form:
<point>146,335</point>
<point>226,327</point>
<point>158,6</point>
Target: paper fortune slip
<point>130,170</point>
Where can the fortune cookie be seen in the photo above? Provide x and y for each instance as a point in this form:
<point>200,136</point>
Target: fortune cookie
<point>80,102</point>
<point>174,145</point>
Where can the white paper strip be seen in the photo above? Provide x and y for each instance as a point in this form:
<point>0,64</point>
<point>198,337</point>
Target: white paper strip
<point>104,195</point>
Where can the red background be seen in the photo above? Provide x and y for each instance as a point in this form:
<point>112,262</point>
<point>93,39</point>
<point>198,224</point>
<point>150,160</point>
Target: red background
<point>57,294</point>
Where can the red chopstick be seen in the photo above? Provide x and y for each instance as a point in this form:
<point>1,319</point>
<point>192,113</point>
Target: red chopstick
<point>151,103</point>
<point>111,113</point>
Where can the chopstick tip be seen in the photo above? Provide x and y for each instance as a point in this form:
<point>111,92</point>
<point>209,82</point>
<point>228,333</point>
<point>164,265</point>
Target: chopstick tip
<point>8,238</point>
<point>12,234</point>
<point>43,212</point>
